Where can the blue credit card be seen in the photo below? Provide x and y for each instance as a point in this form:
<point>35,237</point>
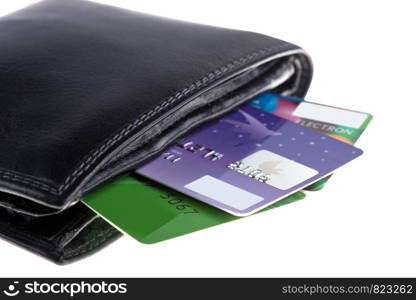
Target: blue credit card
<point>247,160</point>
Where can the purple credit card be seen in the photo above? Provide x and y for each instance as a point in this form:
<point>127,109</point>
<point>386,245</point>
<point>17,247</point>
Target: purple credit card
<point>247,160</point>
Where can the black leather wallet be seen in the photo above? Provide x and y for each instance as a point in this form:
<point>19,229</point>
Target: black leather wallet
<point>89,91</point>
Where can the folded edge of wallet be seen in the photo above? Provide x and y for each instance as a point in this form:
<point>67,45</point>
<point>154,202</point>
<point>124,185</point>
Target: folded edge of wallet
<point>61,238</point>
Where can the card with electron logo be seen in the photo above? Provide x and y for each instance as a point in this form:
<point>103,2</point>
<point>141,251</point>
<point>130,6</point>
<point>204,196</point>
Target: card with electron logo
<point>340,123</point>
<point>247,160</point>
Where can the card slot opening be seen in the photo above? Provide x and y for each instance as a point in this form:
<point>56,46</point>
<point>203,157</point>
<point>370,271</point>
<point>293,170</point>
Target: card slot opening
<point>286,71</point>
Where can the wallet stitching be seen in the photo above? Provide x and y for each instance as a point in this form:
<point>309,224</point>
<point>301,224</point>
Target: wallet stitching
<point>206,79</point>
<point>91,159</point>
<point>98,240</point>
<point>32,182</point>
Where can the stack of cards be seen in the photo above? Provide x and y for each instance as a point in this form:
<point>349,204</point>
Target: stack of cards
<point>257,157</point>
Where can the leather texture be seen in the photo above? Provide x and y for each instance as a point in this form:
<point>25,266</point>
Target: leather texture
<point>90,91</point>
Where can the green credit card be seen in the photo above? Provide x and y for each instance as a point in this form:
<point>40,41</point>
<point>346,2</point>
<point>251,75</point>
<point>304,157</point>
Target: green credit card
<point>151,213</point>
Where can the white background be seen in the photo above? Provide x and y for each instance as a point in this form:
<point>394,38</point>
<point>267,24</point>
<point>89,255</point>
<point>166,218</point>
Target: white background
<point>363,223</point>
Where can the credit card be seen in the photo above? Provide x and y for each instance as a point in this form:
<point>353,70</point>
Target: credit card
<point>150,212</point>
<point>340,123</point>
<point>247,160</point>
